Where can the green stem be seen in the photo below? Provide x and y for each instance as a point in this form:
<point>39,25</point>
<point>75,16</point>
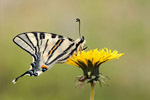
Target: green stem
<point>92,92</point>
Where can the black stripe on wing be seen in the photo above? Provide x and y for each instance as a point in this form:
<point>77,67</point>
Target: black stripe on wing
<point>60,36</point>
<point>36,37</point>
<point>70,39</point>
<point>63,59</point>
<point>34,56</point>
<point>42,35</point>
<point>53,35</point>
<point>26,42</point>
<point>63,53</point>
<point>75,49</point>
<point>57,44</point>
<point>77,45</point>
<point>57,58</point>
<point>45,45</point>
<point>31,43</point>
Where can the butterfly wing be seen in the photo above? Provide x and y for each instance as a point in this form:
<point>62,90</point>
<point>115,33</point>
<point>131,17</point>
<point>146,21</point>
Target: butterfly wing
<point>46,49</point>
<point>49,47</point>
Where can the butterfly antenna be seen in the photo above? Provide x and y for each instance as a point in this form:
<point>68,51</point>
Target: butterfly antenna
<point>78,20</point>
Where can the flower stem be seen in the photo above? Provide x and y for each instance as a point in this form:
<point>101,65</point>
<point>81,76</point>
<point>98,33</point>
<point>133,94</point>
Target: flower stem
<point>92,92</point>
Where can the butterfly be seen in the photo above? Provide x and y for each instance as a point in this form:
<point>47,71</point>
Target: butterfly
<point>47,49</point>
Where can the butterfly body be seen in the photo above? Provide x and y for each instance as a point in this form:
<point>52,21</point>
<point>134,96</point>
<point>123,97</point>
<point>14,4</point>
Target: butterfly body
<point>47,49</point>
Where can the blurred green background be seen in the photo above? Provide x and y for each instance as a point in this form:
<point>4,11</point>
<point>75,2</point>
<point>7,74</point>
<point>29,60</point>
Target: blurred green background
<point>123,25</point>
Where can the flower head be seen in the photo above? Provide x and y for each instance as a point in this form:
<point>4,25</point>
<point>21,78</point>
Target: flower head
<point>90,61</point>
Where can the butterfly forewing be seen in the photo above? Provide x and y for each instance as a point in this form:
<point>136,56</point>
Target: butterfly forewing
<point>49,46</point>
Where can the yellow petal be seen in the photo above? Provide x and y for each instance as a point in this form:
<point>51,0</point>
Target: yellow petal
<point>94,56</point>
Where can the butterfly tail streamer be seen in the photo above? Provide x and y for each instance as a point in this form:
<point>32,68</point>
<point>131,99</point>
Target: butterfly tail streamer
<point>26,73</point>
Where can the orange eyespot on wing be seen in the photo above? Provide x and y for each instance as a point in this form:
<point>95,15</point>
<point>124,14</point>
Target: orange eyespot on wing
<point>43,66</point>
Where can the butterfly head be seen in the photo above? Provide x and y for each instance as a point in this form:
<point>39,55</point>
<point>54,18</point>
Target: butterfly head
<point>81,42</point>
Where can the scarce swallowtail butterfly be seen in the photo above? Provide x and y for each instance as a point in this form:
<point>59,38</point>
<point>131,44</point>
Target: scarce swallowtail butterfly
<point>47,49</point>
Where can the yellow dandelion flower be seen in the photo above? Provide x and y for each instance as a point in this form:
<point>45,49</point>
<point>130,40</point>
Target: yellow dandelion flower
<point>91,60</point>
